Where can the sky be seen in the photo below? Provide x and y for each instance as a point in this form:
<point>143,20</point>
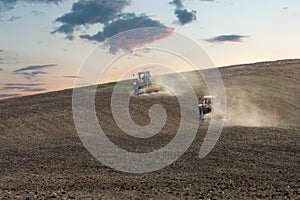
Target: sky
<point>43,43</point>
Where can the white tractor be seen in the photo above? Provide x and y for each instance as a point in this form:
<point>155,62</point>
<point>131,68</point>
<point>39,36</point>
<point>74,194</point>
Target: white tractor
<point>143,84</point>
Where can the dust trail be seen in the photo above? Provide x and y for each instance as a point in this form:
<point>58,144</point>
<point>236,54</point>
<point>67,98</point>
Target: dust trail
<point>172,81</point>
<point>169,81</point>
<point>245,109</point>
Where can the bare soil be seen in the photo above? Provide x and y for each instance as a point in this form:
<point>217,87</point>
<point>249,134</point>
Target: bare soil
<point>257,156</point>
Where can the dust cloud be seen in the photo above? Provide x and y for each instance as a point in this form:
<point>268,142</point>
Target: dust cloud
<point>242,107</point>
<point>245,110</point>
<point>176,83</point>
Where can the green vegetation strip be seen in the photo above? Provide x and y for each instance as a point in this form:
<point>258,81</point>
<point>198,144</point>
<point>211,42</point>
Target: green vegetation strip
<point>106,85</point>
<point>288,128</point>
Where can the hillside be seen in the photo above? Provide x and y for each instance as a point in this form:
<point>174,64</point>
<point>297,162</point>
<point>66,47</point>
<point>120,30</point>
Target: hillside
<point>257,155</point>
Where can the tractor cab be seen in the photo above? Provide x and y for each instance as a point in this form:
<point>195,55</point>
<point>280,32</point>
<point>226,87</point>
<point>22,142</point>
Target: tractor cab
<point>205,105</point>
<point>144,75</point>
<point>143,81</point>
<point>207,99</point>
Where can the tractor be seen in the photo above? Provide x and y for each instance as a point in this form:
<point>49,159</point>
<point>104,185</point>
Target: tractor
<point>205,106</point>
<point>143,83</point>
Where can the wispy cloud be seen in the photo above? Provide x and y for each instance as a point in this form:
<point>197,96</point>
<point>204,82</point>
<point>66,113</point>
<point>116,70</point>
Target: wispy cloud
<point>35,90</point>
<point>14,18</point>
<point>30,75</point>
<point>12,85</point>
<point>24,87</point>
<point>32,71</point>
<point>72,77</point>
<point>113,20</point>
<point>6,5</point>
<point>34,67</point>
<point>227,38</point>
<point>37,13</point>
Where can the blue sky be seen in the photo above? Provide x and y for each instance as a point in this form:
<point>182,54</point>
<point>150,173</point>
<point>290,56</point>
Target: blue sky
<point>230,31</point>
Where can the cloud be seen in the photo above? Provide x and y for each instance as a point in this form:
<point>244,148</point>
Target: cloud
<point>1,69</point>
<point>30,75</point>
<point>24,87</point>
<point>177,3</point>
<point>183,15</point>
<point>130,40</point>
<point>32,71</point>
<point>12,85</point>
<point>129,23</point>
<point>72,77</point>
<point>24,84</point>
<point>2,96</point>
<point>1,50</point>
<point>110,15</point>
<point>35,90</point>
<point>6,5</point>
<point>90,12</point>
<point>14,88</point>
<point>226,38</point>
<point>14,18</point>
<point>34,67</point>
<point>37,13</point>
